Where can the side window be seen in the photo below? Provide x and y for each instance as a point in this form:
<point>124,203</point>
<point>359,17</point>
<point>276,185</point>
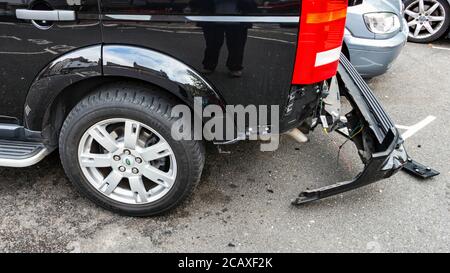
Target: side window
<point>204,7</point>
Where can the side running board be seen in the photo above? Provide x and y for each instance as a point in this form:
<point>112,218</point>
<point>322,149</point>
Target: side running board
<point>21,154</point>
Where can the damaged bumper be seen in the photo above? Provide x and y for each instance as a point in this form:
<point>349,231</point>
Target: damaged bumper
<point>379,143</point>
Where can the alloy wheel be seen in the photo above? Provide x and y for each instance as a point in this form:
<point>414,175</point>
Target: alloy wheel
<point>425,18</point>
<point>127,161</point>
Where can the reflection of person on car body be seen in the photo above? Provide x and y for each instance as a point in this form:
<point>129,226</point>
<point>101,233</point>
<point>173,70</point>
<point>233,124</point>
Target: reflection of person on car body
<point>235,34</point>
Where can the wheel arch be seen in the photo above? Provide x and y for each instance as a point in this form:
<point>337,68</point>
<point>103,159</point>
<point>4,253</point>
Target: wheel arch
<point>160,69</point>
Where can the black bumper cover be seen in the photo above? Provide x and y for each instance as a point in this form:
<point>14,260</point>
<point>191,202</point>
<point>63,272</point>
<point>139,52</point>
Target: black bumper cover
<point>386,159</point>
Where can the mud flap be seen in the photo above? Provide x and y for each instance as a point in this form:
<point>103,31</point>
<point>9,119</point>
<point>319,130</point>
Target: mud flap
<point>380,143</point>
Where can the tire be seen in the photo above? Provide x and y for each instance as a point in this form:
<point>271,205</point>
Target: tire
<point>440,27</point>
<point>147,109</point>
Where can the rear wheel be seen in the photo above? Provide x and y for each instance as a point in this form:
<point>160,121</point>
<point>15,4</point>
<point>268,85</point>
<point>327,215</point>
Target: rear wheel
<point>428,20</point>
<point>116,148</point>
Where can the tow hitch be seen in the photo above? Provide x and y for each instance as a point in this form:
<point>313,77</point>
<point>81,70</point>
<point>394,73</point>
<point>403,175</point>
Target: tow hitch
<point>369,127</point>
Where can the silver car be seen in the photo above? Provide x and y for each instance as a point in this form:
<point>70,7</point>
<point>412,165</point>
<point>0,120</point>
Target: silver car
<point>375,34</point>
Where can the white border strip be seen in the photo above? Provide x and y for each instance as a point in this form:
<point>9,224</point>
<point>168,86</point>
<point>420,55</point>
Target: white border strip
<point>327,57</point>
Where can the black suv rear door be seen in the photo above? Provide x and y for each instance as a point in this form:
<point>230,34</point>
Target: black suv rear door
<point>27,46</point>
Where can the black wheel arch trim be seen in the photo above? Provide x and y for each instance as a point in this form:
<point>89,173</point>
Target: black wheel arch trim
<point>108,61</point>
<point>61,73</point>
<point>159,69</point>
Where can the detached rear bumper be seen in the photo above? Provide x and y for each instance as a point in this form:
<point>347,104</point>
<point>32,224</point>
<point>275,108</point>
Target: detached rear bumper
<point>384,153</point>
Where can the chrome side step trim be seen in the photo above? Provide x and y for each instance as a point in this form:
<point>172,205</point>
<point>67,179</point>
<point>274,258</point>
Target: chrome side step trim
<point>24,162</point>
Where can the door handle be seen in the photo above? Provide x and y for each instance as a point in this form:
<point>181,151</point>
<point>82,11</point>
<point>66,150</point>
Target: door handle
<point>46,15</point>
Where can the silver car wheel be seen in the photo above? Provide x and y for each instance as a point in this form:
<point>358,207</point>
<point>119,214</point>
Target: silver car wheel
<point>425,18</point>
<point>127,161</point>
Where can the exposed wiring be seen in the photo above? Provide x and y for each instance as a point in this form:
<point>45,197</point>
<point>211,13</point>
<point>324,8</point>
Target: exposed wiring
<point>359,131</point>
<point>320,107</point>
<point>350,138</point>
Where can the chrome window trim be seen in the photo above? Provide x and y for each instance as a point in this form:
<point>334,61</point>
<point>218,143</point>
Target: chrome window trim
<point>212,19</point>
<point>245,19</point>
<point>128,17</point>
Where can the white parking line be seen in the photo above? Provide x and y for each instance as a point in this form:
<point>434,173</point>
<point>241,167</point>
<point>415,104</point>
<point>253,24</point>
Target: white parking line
<point>51,51</point>
<point>22,53</point>
<point>271,39</point>
<point>188,32</point>
<point>412,130</point>
<point>11,37</point>
<point>160,30</point>
<point>440,47</point>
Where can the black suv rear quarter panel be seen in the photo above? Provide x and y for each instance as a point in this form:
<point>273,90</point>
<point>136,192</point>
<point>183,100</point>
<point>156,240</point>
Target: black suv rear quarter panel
<point>166,27</point>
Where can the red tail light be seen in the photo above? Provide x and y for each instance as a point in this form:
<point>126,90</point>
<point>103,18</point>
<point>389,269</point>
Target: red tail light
<point>322,25</point>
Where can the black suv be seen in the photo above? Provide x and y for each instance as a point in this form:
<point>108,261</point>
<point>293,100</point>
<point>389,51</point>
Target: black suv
<point>97,79</point>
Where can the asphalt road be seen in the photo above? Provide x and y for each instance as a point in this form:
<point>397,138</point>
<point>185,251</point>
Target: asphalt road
<point>243,201</point>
